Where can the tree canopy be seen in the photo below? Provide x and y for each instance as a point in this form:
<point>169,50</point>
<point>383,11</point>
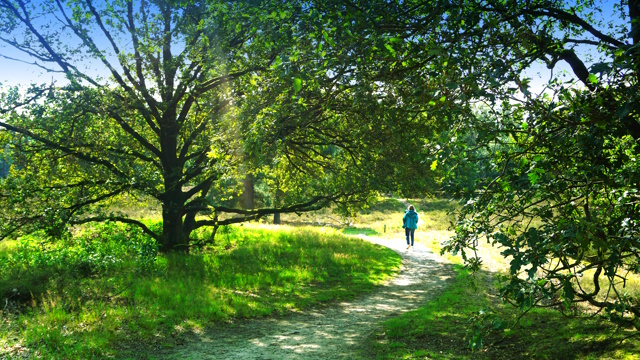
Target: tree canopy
<point>545,170</point>
<point>177,100</point>
<point>332,101</point>
<point>558,190</point>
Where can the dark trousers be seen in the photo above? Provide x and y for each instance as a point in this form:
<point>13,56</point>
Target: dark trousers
<point>409,233</point>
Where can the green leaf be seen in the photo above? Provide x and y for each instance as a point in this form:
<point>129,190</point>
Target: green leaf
<point>391,50</point>
<point>297,84</point>
<point>593,79</point>
<point>327,38</point>
<point>276,62</point>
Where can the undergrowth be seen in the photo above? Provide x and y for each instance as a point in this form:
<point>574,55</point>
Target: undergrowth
<point>87,296</point>
<point>444,329</point>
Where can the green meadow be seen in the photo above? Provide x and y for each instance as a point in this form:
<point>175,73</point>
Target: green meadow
<point>107,286</point>
<point>105,290</point>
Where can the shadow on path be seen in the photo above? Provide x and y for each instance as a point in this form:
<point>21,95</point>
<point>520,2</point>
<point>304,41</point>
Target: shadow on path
<point>334,332</point>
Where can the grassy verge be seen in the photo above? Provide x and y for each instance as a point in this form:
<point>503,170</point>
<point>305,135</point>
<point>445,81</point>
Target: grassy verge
<point>87,296</point>
<point>441,330</point>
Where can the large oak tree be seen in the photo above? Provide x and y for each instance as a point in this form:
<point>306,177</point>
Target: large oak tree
<point>149,107</point>
<point>175,100</point>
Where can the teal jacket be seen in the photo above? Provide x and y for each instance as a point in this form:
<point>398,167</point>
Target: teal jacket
<point>410,219</point>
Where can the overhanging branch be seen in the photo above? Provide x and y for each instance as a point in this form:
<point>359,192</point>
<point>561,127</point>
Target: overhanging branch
<point>316,203</point>
<point>121,219</point>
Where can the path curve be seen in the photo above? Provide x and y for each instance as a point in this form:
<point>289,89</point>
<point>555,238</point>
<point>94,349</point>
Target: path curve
<point>332,332</point>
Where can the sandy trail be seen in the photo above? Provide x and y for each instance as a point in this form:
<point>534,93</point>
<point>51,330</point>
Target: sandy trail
<point>332,332</point>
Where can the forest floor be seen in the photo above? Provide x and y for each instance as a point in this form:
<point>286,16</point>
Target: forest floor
<point>335,331</point>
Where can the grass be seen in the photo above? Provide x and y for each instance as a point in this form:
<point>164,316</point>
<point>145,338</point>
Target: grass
<point>86,297</point>
<point>108,285</point>
<point>443,328</point>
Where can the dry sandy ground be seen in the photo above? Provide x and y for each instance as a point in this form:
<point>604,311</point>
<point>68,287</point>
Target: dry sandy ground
<point>332,332</point>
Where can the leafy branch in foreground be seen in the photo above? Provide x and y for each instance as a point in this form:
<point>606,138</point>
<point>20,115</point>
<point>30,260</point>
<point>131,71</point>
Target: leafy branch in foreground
<point>560,179</point>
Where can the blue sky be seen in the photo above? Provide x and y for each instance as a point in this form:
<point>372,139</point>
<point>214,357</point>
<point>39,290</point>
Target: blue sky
<point>21,73</point>
<point>17,73</point>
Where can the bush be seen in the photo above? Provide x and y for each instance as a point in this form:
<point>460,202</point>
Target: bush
<point>25,273</point>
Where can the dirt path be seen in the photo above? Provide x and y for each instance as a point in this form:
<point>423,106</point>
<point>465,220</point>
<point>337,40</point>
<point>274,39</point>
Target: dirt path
<point>334,332</point>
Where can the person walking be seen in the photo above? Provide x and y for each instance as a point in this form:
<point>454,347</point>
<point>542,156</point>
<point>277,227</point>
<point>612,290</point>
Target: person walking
<point>410,224</point>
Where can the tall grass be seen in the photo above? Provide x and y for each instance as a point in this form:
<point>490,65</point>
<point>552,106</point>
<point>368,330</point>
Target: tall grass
<point>90,295</point>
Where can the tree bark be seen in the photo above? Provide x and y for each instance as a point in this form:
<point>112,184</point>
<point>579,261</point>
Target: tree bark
<point>278,196</point>
<point>173,199</point>
<point>173,236</point>
<point>173,229</point>
<point>249,192</point>
<point>4,168</point>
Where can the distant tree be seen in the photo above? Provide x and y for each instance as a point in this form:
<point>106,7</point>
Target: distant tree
<point>4,168</point>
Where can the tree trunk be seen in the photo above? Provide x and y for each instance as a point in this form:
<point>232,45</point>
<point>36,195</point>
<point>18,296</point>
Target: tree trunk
<point>176,227</point>
<point>175,236</point>
<point>276,203</point>
<point>4,168</point>
<point>173,230</point>
<point>249,192</point>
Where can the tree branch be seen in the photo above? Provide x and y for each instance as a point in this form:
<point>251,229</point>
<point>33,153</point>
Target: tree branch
<point>121,219</point>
